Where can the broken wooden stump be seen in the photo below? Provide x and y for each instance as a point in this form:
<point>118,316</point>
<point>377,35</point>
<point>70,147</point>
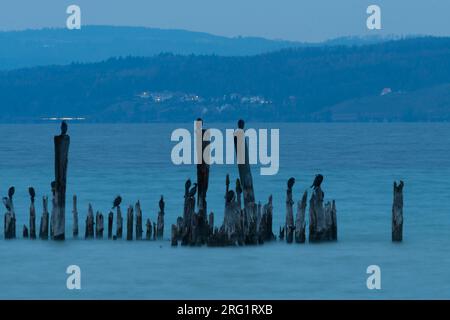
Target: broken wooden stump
<point>148,233</point>
<point>188,212</point>
<point>130,223</point>
<point>62,143</point>
<point>322,219</point>
<point>160,221</point>
<point>119,219</point>
<point>174,236</point>
<point>10,216</point>
<point>25,232</point>
<point>43,228</point>
<point>289,225</point>
<point>139,230</point>
<point>89,232</point>
<point>397,212</point>
<point>300,221</point>
<point>99,225</point>
<point>75,230</point>
<point>110,224</point>
<point>265,224</point>
<point>32,193</point>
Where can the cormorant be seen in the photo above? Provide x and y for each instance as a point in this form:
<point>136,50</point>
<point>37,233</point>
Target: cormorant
<point>11,192</point>
<point>161,204</point>
<point>32,193</point>
<point>117,202</point>
<point>230,196</point>
<point>317,181</point>
<point>193,191</point>
<point>187,186</point>
<point>64,128</point>
<point>290,183</point>
<point>241,124</point>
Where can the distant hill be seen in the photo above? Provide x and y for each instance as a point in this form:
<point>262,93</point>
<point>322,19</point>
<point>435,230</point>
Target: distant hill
<point>406,80</point>
<point>96,43</point>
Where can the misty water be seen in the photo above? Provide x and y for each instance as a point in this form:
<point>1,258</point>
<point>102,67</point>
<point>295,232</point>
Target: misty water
<point>359,162</point>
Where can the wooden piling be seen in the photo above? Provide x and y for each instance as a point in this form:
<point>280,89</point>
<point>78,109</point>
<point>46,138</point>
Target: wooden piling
<point>245,174</point>
<point>75,230</point>
<point>139,230</point>
<point>397,212</point>
<point>89,233</point>
<point>148,233</point>
<point>110,224</point>
<point>289,225</point>
<point>10,216</point>
<point>62,143</point>
<point>265,225</point>
<point>119,223</point>
<point>32,213</point>
<point>99,225</point>
<point>130,223</point>
<point>300,221</point>
<point>25,232</point>
<point>43,228</point>
<point>160,221</point>
<point>174,236</point>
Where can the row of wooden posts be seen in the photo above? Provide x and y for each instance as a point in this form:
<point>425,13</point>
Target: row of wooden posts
<point>246,222</point>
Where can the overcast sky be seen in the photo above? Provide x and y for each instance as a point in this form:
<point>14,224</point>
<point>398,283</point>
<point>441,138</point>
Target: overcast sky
<point>302,20</point>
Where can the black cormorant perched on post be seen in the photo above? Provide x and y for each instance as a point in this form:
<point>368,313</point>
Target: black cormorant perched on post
<point>187,186</point>
<point>290,183</point>
<point>64,128</point>
<point>11,192</point>
<point>317,181</point>
<point>117,202</point>
<point>230,196</point>
<point>193,191</point>
<point>161,204</point>
<point>32,193</point>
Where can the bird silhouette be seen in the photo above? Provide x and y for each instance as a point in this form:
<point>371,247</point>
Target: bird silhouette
<point>64,128</point>
<point>161,204</point>
<point>32,193</point>
<point>317,181</point>
<point>241,124</point>
<point>11,192</point>
<point>193,191</point>
<point>290,183</point>
<point>230,196</point>
<point>117,202</point>
<point>187,185</point>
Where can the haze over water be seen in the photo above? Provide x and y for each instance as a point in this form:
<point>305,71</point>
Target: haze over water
<point>359,162</point>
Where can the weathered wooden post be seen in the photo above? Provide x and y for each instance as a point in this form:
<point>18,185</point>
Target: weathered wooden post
<point>43,229</point>
<point>211,223</point>
<point>32,193</point>
<point>130,223</point>
<point>10,216</point>
<point>265,225</point>
<point>62,143</point>
<point>160,225</point>
<point>89,234</point>
<point>139,230</point>
<point>110,224</point>
<point>397,212</point>
<point>119,219</point>
<point>75,217</point>
<point>316,216</point>
<point>155,231</point>
<point>148,233</point>
<point>242,156</point>
<point>174,236</point>
<point>203,167</point>
<point>188,212</point>
<point>300,224</point>
<point>25,232</point>
<point>289,225</point>
<point>99,225</point>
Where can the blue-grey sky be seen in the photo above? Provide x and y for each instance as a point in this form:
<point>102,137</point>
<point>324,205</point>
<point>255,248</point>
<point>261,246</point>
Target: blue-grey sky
<point>302,20</point>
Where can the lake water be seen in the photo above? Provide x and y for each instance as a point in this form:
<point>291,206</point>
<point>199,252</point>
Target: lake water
<point>359,162</point>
